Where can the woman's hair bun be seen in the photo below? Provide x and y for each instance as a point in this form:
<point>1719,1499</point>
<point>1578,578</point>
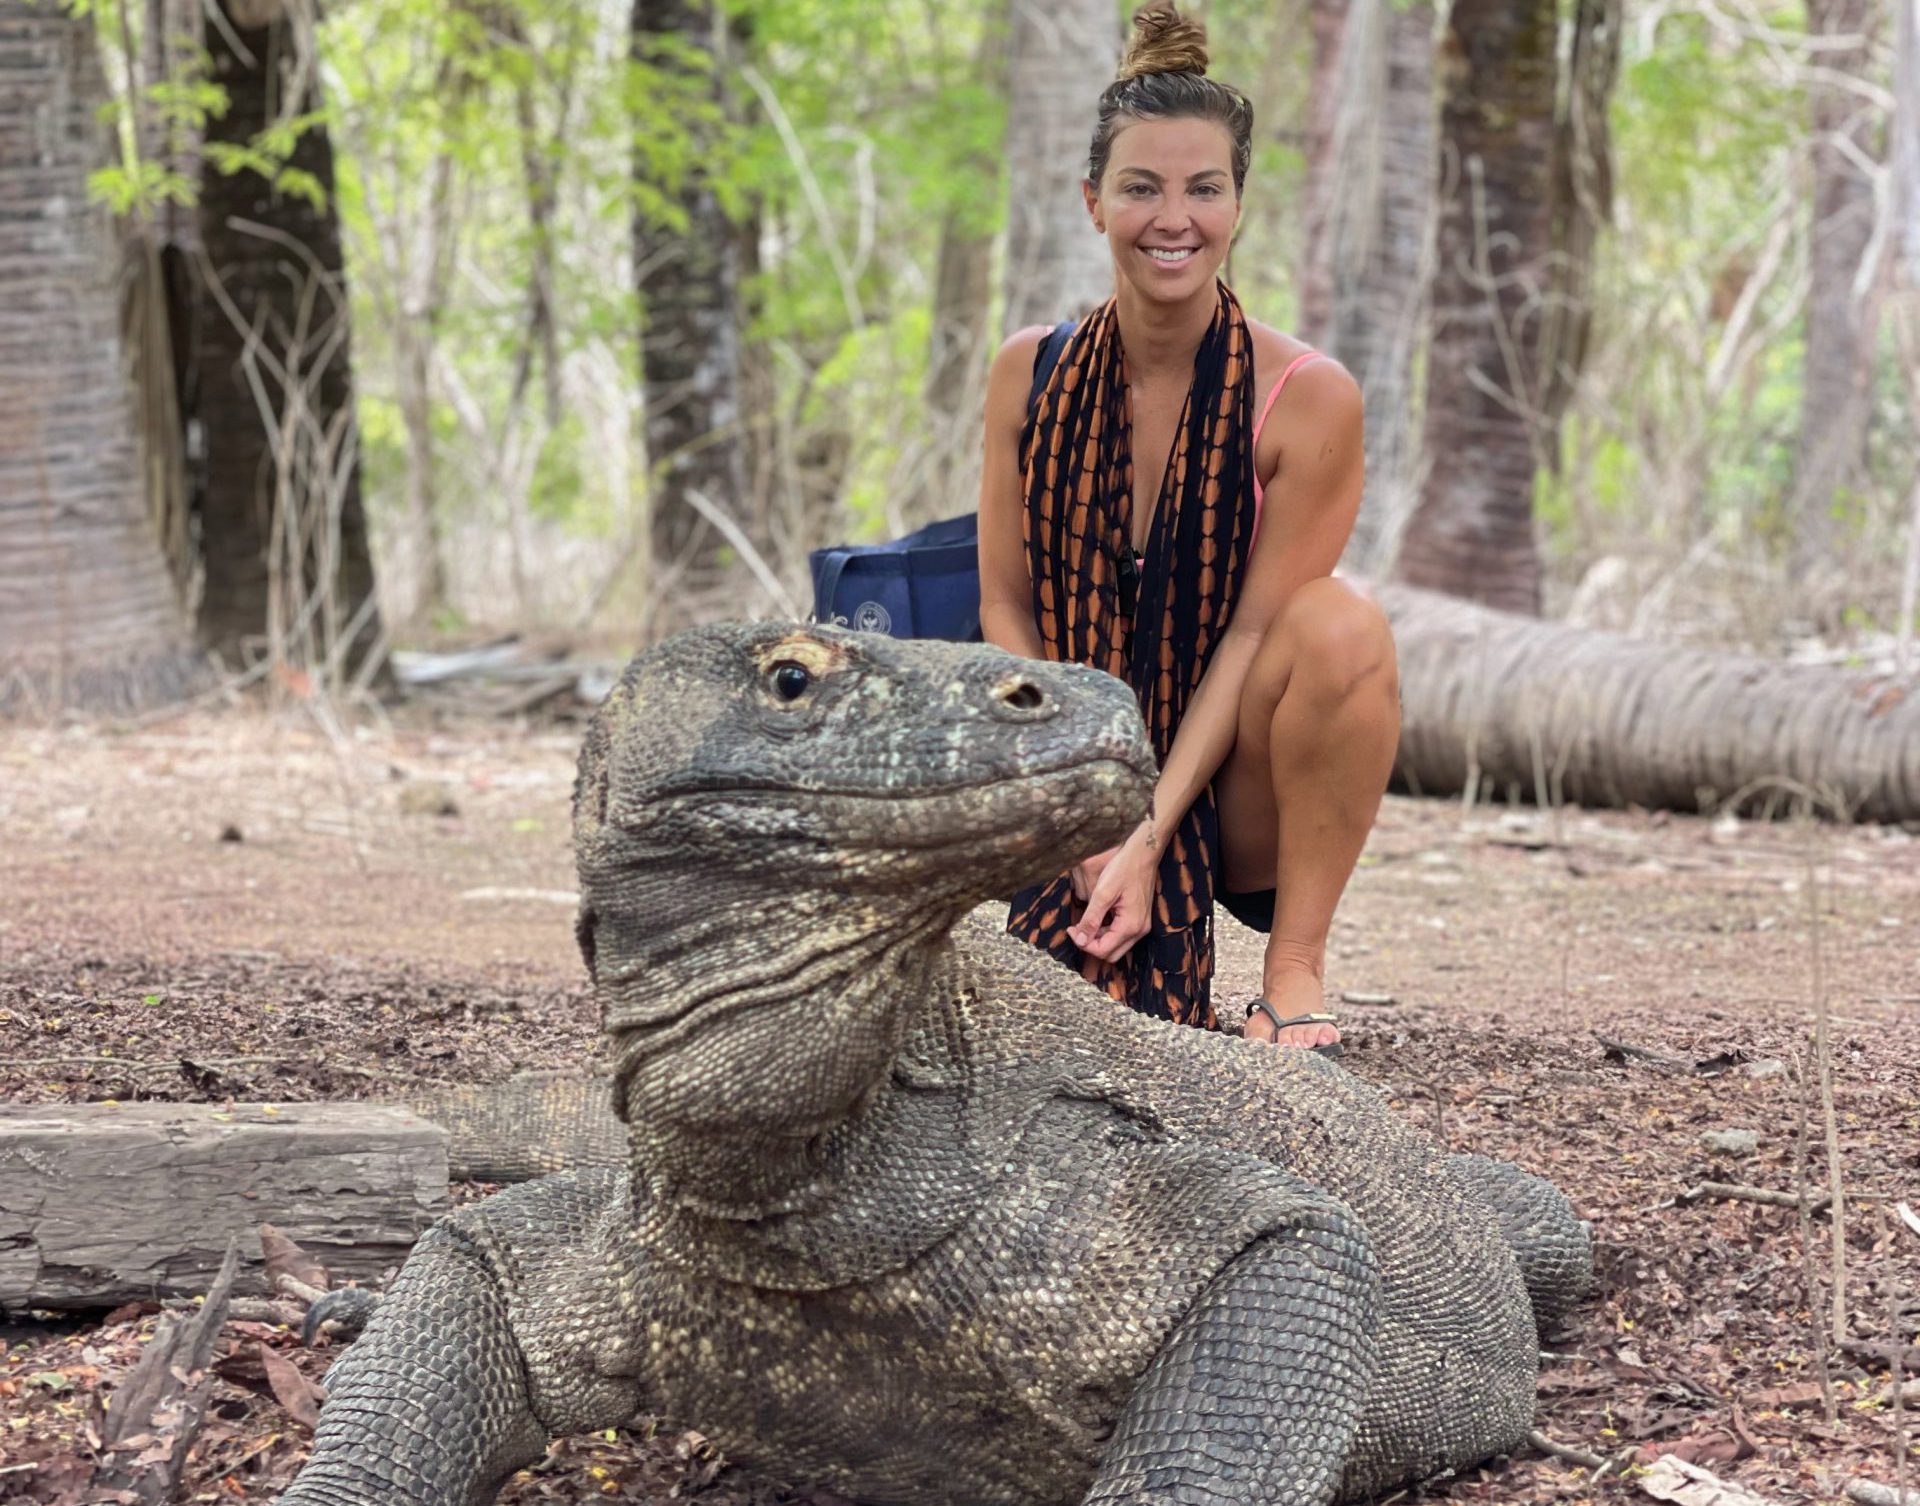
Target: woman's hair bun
<point>1164,41</point>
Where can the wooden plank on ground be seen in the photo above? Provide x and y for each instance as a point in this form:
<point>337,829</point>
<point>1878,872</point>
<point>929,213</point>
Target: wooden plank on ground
<point>102,1203</point>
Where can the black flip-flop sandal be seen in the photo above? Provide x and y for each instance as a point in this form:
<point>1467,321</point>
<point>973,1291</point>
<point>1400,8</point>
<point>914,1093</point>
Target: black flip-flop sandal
<point>1330,1050</point>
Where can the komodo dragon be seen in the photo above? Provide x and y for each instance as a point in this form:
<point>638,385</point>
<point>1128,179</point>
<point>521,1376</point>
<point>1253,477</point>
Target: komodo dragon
<point>921,1217</point>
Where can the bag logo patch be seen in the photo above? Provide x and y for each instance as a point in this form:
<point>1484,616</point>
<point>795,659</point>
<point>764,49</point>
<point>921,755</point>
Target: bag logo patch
<point>871,617</point>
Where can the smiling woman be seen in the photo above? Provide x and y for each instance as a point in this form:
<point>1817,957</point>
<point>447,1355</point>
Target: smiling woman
<point>1121,526</point>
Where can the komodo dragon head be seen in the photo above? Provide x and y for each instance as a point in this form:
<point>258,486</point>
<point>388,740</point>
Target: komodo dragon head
<point>776,827</point>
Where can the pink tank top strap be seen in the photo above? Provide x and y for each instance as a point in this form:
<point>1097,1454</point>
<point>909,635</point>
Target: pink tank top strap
<point>1292,366</point>
<point>1259,491</point>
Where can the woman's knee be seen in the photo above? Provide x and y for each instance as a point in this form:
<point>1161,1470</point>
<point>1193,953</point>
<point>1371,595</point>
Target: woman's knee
<point>1341,643</point>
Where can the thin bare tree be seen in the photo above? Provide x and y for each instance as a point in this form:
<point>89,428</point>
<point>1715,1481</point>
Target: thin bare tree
<point>1063,53</point>
<point>1837,375</point>
<point>284,545</point>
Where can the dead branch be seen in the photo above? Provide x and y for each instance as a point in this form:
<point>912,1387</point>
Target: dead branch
<point>1579,1456</point>
<point>1808,1265</point>
<point>164,1399</point>
<point>1659,1061</point>
<point>1823,1065</point>
<point>1734,1192</point>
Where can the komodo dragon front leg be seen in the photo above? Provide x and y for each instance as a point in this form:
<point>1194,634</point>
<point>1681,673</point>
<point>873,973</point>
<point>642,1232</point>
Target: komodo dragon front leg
<point>440,1400</point>
<point>1257,1394</point>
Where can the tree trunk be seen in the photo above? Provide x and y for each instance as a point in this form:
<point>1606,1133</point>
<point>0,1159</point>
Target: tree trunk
<point>1500,703</point>
<point>1837,374</point>
<point>87,612</point>
<point>1484,430</point>
<point>1369,238</point>
<point>1582,204</point>
<point>947,478</point>
<point>1063,53</point>
<point>689,279</point>
<point>283,533</point>
<point>963,281</point>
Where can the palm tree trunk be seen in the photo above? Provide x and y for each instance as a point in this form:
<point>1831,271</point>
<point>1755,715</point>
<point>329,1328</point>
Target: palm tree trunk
<point>690,289</point>
<point>1369,236</point>
<point>1837,374</point>
<point>1502,704</point>
<point>1484,434</point>
<point>1063,53</point>
<point>282,527</point>
<point>88,614</point>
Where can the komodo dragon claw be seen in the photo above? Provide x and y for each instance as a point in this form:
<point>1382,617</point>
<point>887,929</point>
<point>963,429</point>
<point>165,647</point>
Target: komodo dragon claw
<point>346,1308</point>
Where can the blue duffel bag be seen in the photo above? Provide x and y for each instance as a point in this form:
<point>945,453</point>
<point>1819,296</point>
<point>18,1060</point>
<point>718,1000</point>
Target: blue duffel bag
<point>925,585</point>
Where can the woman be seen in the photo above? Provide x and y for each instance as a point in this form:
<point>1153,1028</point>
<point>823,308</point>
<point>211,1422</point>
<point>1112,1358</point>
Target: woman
<point>1170,508</point>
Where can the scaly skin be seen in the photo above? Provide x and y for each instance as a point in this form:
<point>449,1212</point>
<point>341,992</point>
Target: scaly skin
<point>912,1213</point>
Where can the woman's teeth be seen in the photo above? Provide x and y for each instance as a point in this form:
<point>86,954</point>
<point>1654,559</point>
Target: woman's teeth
<point>1170,256</point>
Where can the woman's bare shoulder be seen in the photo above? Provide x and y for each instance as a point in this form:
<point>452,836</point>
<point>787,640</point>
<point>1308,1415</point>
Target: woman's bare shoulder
<point>1324,382</point>
<point>1011,375</point>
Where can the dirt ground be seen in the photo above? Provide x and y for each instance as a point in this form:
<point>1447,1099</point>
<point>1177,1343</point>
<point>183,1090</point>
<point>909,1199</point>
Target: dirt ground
<point>235,906</point>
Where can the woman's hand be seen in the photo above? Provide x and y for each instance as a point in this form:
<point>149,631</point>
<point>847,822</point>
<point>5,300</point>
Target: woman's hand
<point>1117,886</point>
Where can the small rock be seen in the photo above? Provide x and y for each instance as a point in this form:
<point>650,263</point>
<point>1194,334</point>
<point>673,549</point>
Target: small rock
<point>1354,996</point>
<point>1731,1142</point>
<point>1767,1066</point>
<point>231,833</point>
<point>427,800</point>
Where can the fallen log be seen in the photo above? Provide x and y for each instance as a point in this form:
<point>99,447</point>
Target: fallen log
<point>1495,702</point>
<point>108,1203</point>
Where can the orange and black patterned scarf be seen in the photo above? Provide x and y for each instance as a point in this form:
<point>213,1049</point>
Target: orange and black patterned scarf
<point>1077,473</point>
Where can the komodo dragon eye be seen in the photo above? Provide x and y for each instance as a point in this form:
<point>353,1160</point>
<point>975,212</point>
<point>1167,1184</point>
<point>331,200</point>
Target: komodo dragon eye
<point>790,680</point>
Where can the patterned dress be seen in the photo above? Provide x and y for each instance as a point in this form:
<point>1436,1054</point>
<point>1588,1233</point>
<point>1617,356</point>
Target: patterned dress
<point>1077,480</point>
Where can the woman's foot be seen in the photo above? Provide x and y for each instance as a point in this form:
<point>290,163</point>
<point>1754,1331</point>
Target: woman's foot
<point>1291,983</point>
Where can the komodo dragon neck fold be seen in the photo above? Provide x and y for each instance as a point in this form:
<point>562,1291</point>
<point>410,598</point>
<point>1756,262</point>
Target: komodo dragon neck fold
<point>814,1206</point>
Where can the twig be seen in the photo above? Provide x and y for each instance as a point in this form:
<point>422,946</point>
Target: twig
<point>1808,1270</point>
<point>1655,1059</point>
<point>730,531</point>
<point>1572,1455</point>
<point>1899,1393</point>
<point>1737,1193</point>
<point>1830,1127</point>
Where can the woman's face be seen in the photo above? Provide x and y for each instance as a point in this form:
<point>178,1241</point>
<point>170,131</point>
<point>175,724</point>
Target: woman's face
<point>1167,205</point>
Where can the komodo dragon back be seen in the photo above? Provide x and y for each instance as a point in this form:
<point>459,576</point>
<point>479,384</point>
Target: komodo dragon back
<point>910,1213</point>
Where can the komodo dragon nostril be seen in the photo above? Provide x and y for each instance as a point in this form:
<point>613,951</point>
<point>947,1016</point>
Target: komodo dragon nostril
<point>1020,695</point>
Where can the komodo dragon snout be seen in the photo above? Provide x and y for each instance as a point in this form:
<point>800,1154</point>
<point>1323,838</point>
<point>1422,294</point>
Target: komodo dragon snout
<point>783,750</point>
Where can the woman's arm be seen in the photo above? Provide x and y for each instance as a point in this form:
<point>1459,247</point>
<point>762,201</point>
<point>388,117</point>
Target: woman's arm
<point>1006,589</point>
<point>1313,445</point>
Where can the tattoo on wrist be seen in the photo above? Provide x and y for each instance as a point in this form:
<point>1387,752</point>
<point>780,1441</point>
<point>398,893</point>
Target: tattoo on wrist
<point>1153,838</point>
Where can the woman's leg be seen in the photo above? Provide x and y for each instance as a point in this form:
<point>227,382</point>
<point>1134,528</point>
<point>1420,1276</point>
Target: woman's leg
<point>1319,721</point>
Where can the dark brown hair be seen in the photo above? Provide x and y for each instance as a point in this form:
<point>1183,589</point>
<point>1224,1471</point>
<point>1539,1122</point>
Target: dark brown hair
<point>1164,77</point>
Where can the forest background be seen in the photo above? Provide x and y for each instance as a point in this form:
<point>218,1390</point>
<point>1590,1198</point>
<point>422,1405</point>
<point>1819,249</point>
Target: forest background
<point>598,316</point>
